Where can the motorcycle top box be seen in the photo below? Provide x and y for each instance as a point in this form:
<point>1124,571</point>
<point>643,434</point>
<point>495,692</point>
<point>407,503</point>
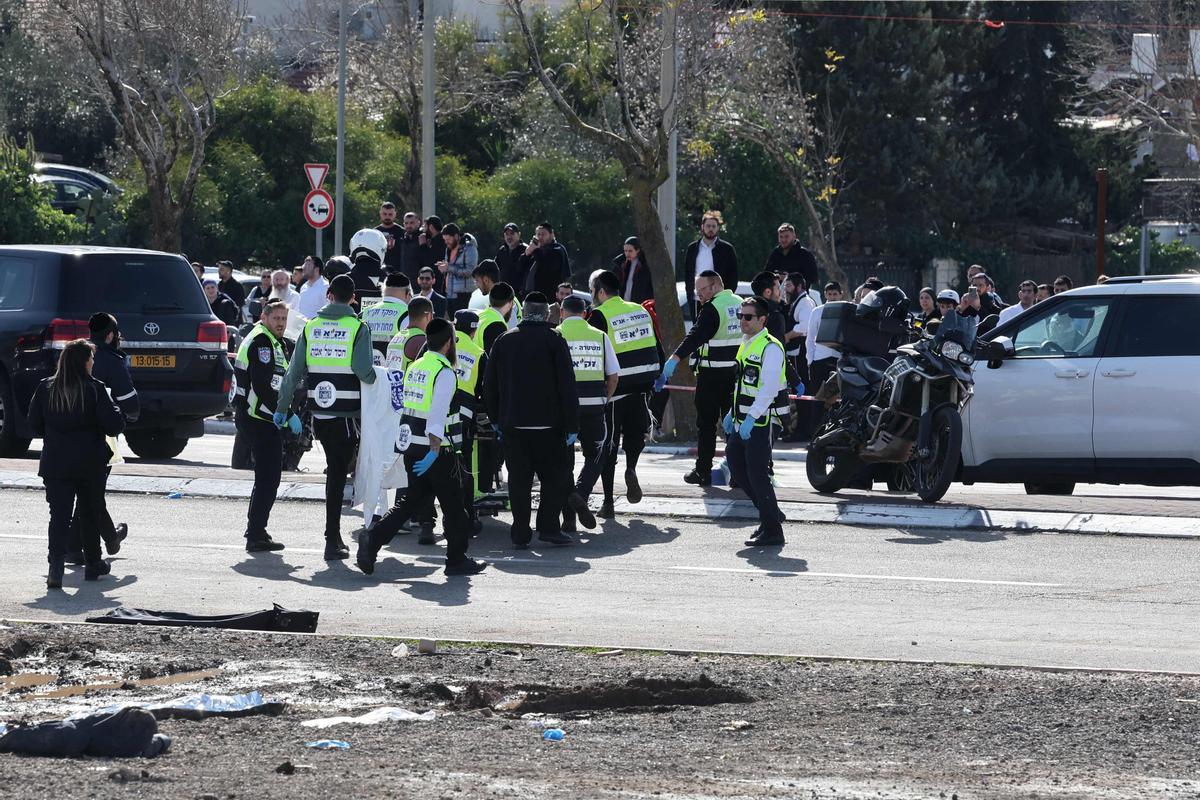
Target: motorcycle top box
<point>842,330</point>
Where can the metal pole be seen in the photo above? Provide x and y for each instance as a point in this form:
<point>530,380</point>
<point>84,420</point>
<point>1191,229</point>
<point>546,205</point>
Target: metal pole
<point>317,247</point>
<point>338,241</point>
<point>428,84</point>
<point>1101,214</point>
<point>668,78</point>
<point>1144,250</point>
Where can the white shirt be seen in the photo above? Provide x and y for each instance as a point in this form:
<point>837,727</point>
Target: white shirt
<point>636,265</point>
<point>611,365</point>
<point>801,315</point>
<point>1009,312</point>
<point>439,407</point>
<point>312,297</point>
<point>769,386</point>
<point>478,301</point>
<point>704,259</point>
<point>817,352</point>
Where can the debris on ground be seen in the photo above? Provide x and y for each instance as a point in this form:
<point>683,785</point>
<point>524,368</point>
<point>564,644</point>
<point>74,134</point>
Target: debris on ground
<point>329,744</point>
<point>386,714</point>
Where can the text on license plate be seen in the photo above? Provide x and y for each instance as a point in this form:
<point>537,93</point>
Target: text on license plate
<point>153,361</point>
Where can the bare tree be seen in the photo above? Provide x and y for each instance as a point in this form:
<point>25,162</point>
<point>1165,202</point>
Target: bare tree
<point>384,68</point>
<point>163,64</point>
<point>1149,75</point>
<point>803,136</point>
<point>609,89</point>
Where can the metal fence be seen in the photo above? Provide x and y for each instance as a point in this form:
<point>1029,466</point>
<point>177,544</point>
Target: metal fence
<point>895,272</point>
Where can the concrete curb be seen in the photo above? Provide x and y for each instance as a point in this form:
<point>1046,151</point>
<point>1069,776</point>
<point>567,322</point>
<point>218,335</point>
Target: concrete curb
<point>225,427</point>
<point>907,517</point>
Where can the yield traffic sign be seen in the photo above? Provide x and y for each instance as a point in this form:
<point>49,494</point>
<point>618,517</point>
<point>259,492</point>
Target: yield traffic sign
<point>316,174</point>
<point>318,208</point>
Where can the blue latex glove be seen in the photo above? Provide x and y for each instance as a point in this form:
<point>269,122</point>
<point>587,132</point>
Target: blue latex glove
<point>665,377</point>
<point>746,428</point>
<point>279,418</point>
<point>799,389</point>
<point>571,438</point>
<point>422,466</point>
<point>727,424</point>
<point>496,430</point>
<point>294,425</point>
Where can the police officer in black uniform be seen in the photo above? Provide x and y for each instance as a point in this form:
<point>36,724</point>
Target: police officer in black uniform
<point>110,366</point>
<point>259,369</point>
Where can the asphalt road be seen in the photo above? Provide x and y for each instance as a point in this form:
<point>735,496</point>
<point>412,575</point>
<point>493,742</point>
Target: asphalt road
<point>965,596</point>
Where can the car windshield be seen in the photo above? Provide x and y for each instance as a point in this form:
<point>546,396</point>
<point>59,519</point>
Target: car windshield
<point>957,328</point>
<point>132,283</point>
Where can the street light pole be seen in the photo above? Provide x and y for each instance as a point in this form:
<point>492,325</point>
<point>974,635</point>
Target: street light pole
<point>428,188</point>
<point>339,193</point>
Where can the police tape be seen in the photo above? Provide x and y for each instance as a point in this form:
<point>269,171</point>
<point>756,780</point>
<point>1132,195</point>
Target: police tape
<point>671,388</point>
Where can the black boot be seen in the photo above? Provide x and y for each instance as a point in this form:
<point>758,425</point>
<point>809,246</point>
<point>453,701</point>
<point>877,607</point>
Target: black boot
<point>335,548</point>
<point>96,569</point>
<point>699,477</point>
<point>427,536</point>
<point>262,544</point>
<point>113,545</point>
<point>75,557</point>
<point>55,577</point>
<point>578,504</point>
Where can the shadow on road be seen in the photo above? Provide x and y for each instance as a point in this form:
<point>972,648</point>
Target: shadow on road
<point>926,536</point>
<point>772,562</point>
<point>90,595</point>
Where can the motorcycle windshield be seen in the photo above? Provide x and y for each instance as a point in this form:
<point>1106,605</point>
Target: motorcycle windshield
<point>957,328</point>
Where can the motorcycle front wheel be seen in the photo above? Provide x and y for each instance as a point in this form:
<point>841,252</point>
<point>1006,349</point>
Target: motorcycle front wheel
<point>934,473</point>
<point>830,472</point>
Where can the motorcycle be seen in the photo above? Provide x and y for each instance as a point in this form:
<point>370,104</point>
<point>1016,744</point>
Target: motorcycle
<point>906,413</point>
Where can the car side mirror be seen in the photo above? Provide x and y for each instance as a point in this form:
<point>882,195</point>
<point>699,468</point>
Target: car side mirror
<point>996,350</point>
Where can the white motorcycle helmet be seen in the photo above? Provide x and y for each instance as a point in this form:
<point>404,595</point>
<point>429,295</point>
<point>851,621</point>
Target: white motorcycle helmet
<point>369,240</point>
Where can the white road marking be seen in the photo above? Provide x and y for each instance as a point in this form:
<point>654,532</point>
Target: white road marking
<point>856,576</point>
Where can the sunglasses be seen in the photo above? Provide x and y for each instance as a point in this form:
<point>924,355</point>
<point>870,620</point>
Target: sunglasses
<point>747,317</point>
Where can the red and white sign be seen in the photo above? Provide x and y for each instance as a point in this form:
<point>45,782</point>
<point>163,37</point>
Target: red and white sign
<point>318,209</point>
<point>316,174</point>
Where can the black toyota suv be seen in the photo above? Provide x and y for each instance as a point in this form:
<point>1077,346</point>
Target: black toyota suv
<point>177,348</point>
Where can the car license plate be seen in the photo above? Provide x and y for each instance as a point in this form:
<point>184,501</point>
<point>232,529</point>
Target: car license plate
<point>155,361</point>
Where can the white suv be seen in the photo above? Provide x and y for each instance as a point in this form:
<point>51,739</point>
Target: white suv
<point>1097,385</point>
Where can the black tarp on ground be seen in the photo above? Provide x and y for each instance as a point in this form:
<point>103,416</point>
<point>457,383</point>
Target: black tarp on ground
<point>277,619</point>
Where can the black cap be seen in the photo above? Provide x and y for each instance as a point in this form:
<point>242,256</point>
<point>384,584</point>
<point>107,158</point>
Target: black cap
<point>466,321</point>
<point>512,226</point>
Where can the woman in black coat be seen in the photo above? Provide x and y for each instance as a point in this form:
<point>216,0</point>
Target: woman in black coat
<point>641,288</point>
<point>72,414</point>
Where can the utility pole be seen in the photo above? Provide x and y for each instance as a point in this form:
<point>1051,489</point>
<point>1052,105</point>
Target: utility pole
<point>338,242</point>
<point>667,97</point>
<point>428,187</point>
<point>1101,217</point>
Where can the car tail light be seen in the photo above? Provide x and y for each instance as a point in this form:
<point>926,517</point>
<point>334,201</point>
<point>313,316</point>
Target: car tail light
<point>227,385</point>
<point>213,334</point>
<point>57,334</point>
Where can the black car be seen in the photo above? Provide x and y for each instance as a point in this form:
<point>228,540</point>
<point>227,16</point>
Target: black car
<point>177,348</point>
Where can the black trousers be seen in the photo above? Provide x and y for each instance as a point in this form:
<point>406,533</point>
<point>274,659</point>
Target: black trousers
<point>819,372</point>
<point>62,494</point>
<point>466,467</point>
<point>339,440</point>
<point>266,445</point>
<point>748,461</point>
<point>628,422</point>
<point>593,441</point>
<point>442,481</point>
<point>529,453</point>
<point>714,396</point>
<point>99,518</point>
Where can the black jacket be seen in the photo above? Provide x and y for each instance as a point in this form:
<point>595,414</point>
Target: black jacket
<point>530,380</point>
<point>514,265</point>
<point>73,444</point>
<point>225,309</point>
<point>643,283</point>
<point>111,367</point>
<point>548,267</point>
<point>797,259</point>
<point>724,262</point>
<point>261,373</point>
<point>392,257</point>
<point>707,324</point>
<point>236,292</point>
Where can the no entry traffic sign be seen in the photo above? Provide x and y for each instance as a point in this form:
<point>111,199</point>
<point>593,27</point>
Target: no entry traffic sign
<point>318,208</point>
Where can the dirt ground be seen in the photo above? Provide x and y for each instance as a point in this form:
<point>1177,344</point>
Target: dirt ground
<point>636,724</point>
